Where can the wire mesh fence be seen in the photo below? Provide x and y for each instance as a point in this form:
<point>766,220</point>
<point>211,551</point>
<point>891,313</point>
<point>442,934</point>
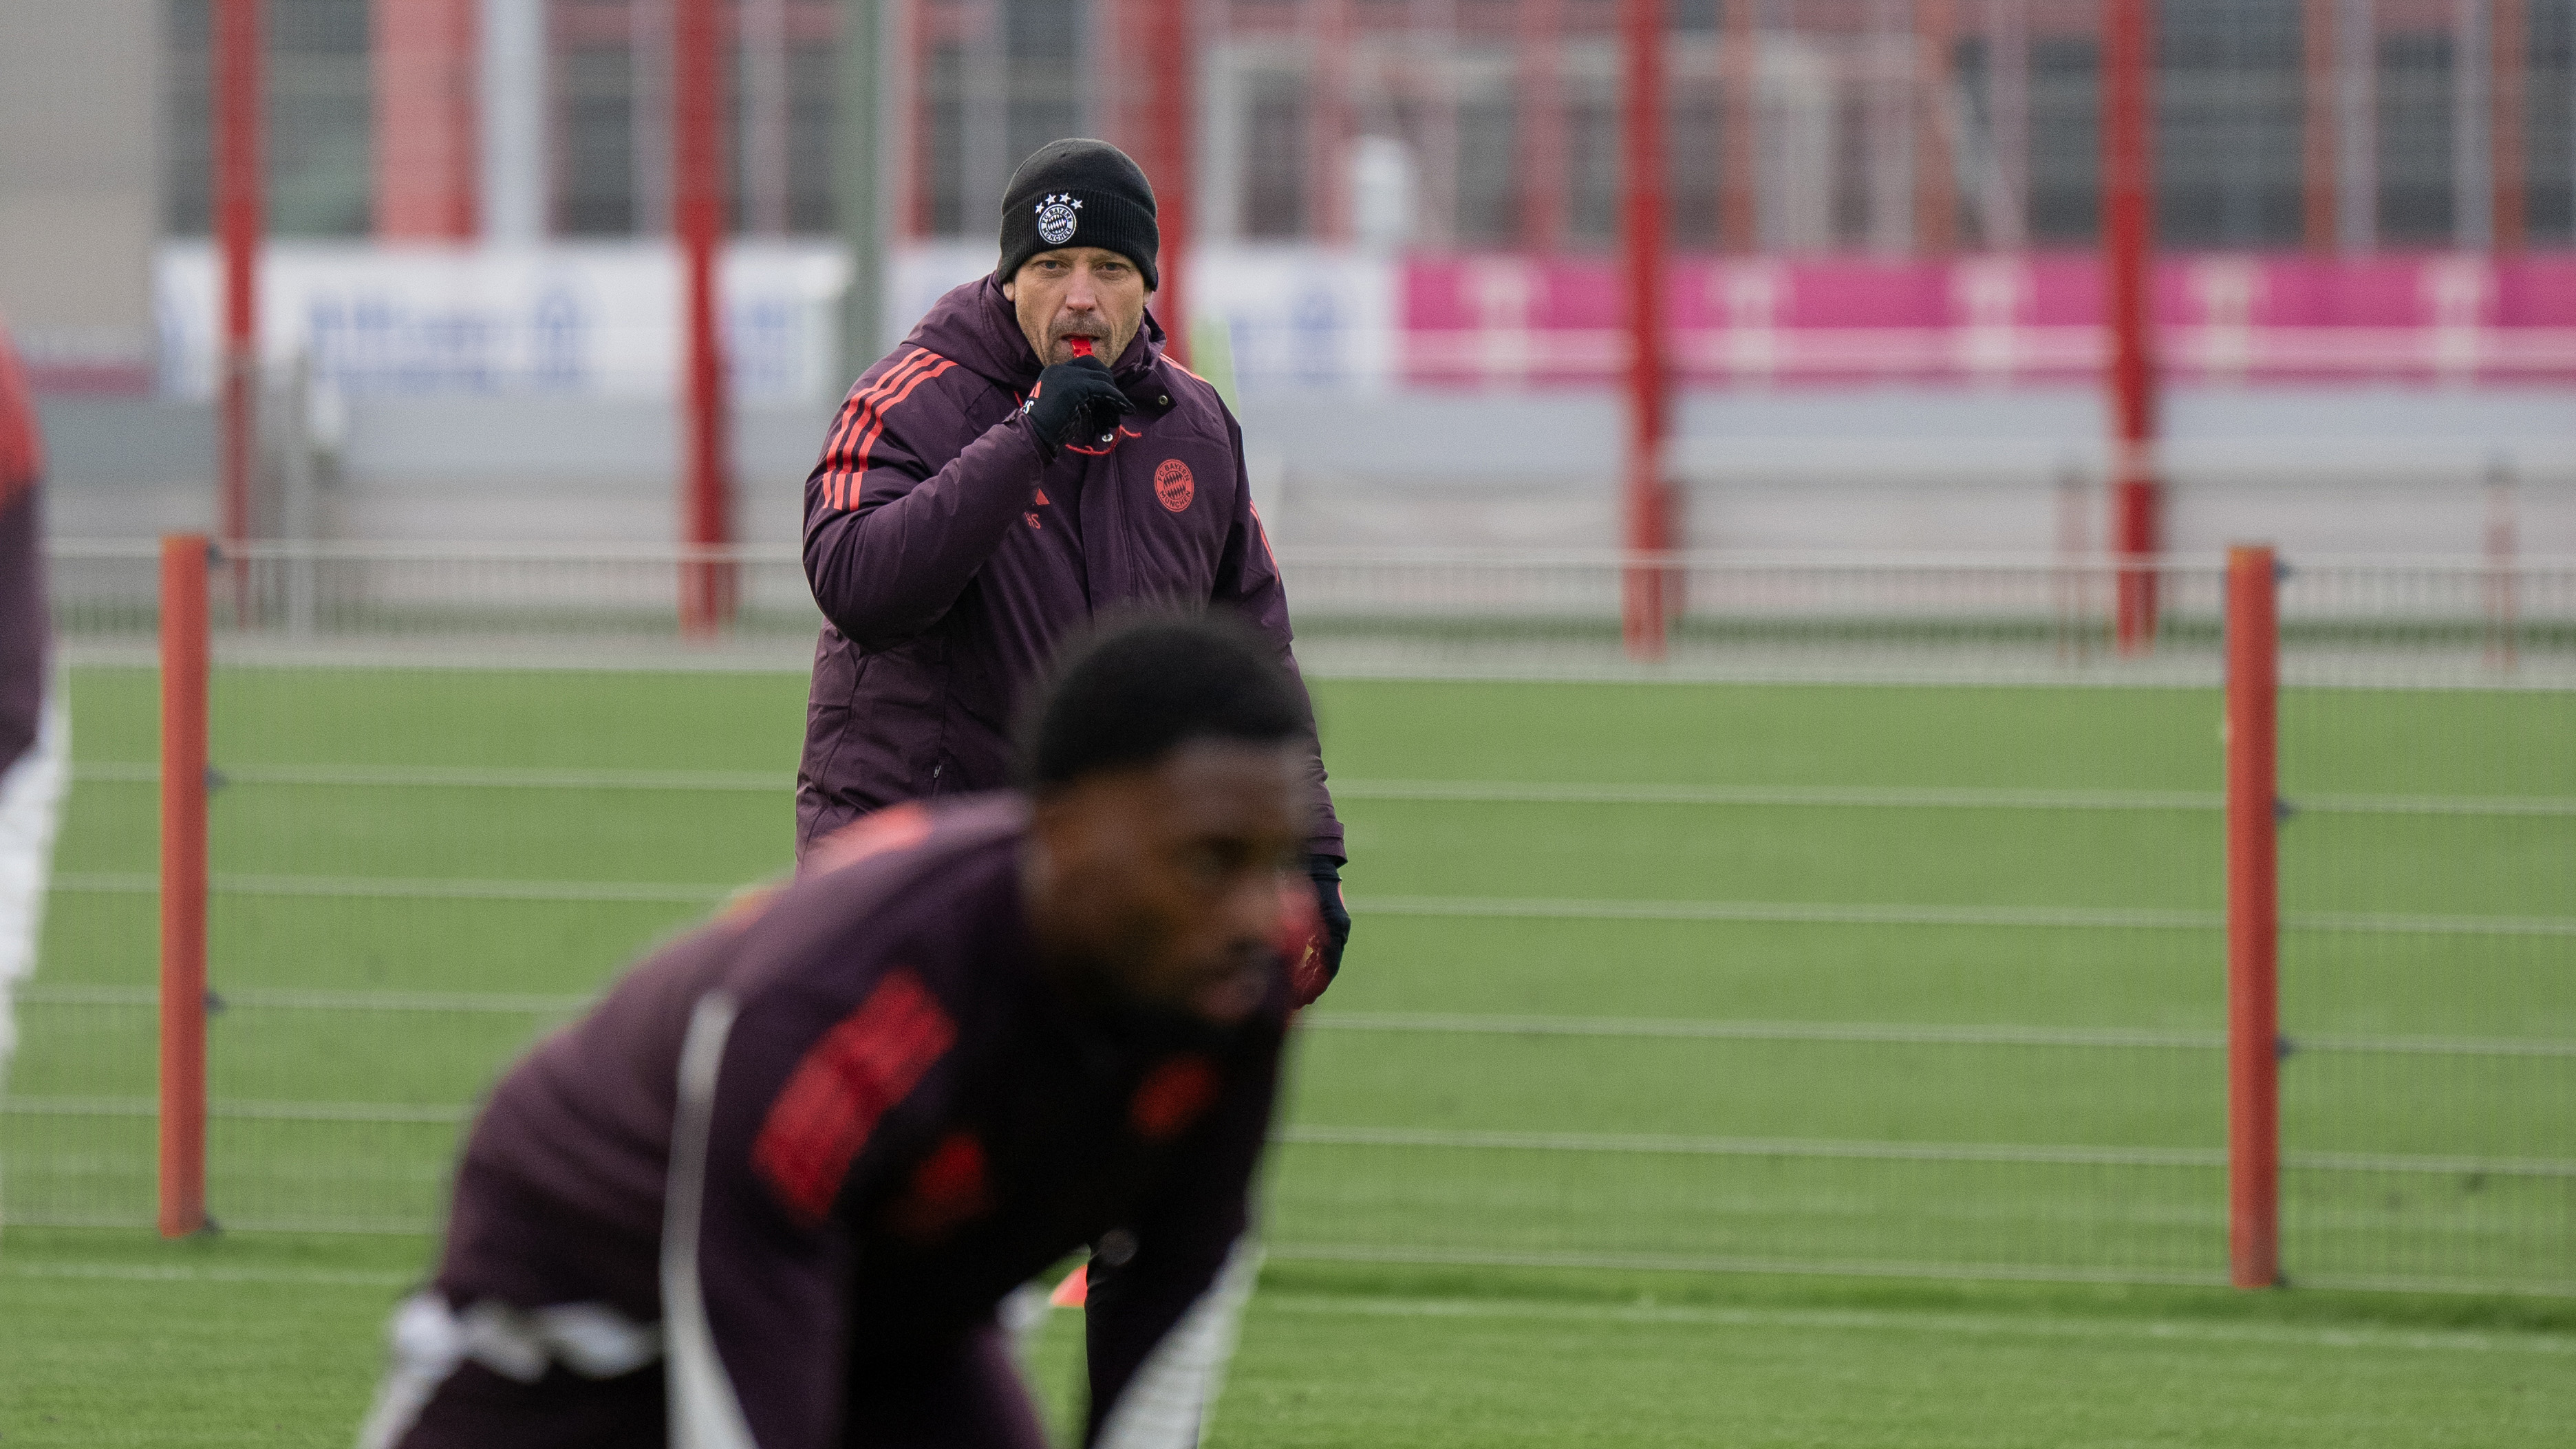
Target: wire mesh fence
<point>1891,944</point>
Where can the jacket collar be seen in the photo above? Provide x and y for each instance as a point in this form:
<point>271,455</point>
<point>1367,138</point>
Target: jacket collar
<point>976,326</point>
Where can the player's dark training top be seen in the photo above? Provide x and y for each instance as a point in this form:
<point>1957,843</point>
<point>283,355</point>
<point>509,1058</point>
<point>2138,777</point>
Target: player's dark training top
<point>800,1157</point>
<point>23,626</point>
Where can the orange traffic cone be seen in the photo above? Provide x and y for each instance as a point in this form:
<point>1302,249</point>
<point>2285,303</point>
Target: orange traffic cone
<point>1075,1290</point>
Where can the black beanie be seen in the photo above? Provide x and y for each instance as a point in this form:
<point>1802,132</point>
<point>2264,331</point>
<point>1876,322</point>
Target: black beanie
<point>1077,193</point>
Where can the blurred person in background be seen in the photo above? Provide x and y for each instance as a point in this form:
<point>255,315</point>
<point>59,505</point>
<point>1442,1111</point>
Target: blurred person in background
<point>772,1191</point>
<point>1027,459</point>
<point>34,728</point>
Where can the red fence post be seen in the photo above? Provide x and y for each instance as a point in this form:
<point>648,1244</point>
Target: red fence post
<point>1644,588</point>
<point>707,586</point>
<point>183,884</point>
<point>2253,921</point>
<point>1170,51</point>
<point>2128,262</point>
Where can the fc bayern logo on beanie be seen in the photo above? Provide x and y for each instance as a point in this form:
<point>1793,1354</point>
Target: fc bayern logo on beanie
<point>1056,219</point>
<point>1079,186</point>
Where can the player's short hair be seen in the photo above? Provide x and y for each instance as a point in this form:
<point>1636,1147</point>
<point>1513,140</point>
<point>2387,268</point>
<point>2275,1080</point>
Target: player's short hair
<point>1141,688</point>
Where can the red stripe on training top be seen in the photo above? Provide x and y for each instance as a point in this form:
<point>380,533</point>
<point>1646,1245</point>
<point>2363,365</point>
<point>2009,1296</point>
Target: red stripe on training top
<point>836,484</point>
<point>22,454</point>
<point>832,1102</point>
<point>868,443</point>
<point>841,424</point>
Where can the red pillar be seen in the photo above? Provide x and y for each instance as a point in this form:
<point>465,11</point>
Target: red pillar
<point>1539,125</point>
<point>2508,40</point>
<point>1169,52</point>
<point>1328,120</point>
<point>1643,589</point>
<point>1936,185</point>
<point>2317,132</point>
<point>183,885</point>
<point>240,191</point>
<point>1738,220</point>
<point>698,215</point>
<point>426,103</point>
<point>2253,921</point>
<point>2128,261</point>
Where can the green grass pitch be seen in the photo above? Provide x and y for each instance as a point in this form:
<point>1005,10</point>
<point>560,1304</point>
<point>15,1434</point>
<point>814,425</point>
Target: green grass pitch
<point>2064,922</point>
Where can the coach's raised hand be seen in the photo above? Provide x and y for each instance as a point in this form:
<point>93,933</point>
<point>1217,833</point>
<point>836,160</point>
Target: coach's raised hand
<point>1075,402</point>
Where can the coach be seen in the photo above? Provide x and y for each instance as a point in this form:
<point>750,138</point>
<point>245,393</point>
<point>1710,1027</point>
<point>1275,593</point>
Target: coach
<point>1029,458</point>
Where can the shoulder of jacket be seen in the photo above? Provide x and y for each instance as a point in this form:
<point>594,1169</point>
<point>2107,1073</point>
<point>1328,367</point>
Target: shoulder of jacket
<point>1196,404</point>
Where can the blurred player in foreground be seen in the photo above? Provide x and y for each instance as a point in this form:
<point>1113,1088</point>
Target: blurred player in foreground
<point>770,1193</point>
<point>34,734</point>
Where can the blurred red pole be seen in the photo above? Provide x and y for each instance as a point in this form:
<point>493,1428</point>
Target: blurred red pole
<point>2128,251</point>
<point>1641,243</point>
<point>1170,57</point>
<point>2253,921</point>
<point>1539,125</point>
<point>2507,41</point>
<point>239,190</point>
<point>698,215</point>
<point>1328,119</point>
<point>183,885</point>
<point>2317,134</point>
<point>423,69</point>
<point>1741,79</point>
<point>1936,182</point>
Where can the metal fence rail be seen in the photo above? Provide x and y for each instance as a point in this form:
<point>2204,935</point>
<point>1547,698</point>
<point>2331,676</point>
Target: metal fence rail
<point>1403,613</point>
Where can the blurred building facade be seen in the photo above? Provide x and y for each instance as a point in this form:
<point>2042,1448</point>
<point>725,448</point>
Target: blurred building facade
<point>1889,125</point>
<point>1884,309</point>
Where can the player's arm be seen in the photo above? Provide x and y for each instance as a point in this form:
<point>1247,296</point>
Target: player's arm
<point>1247,581</point>
<point>1161,1327</point>
<point>781,1109</point>
<point>898,517</point>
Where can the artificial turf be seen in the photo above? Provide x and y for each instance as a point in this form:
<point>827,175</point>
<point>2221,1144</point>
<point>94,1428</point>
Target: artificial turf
<point>1341,1354</point>
<point>112,1339</point>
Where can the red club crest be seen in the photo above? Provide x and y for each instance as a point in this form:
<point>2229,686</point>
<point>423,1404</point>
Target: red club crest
<point>1173,484</point>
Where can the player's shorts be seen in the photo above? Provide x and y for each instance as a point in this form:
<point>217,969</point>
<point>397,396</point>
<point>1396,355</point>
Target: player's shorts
<point>582,1376</point>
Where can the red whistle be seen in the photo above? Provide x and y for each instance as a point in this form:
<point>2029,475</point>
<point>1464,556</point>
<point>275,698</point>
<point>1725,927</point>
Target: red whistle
<point>1081,346</point>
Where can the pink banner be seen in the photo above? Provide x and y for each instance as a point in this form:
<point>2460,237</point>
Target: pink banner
<point>1512,320</point>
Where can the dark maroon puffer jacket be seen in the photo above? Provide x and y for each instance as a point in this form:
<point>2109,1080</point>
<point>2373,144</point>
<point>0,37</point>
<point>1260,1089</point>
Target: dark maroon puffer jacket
<point>24,627</point>
<point>951,557</point>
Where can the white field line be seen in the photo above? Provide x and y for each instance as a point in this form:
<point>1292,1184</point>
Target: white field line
<point>1827,914</point>
<point>1999,1325</point>
<point>1903,1033</point>
<point>458,777</point>
<point>413,888</point>
<point>1544,908</point>
<point>1656,1144</point>
<point>161,1273</point>
<point>1589,1143</point>
<point>1423,1022</point>
<point>1454,791</point>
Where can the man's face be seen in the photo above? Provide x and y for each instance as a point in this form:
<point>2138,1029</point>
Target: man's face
<point>1078,292</point>
<point>1162,883</point>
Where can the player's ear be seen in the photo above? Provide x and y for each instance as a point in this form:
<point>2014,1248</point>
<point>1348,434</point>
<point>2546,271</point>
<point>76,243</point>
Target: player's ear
<point>1011,290</point>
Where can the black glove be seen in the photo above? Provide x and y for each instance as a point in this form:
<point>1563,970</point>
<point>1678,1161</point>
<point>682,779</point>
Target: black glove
<point>1327,874</point>
<point>1074,402</point>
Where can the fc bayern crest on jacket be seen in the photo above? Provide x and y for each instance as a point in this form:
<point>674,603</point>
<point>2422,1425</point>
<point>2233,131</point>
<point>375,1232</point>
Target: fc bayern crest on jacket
<point>1056,219</point>
<point>1174,485</point>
